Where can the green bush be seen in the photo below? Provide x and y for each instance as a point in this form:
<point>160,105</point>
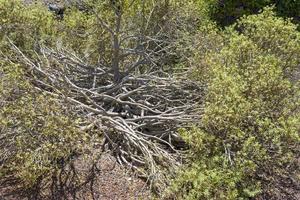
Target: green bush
<point>25,25</point>
<point>226,12</point>
<point>38,134</point>
<point>274,36</point>
<point>249,140</point>
<point>79,32</point>
<point>29,26</point>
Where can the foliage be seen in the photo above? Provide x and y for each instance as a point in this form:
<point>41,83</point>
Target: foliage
<point>249,139</point>
<point>25,25</point>
<point>226,12</point>
<point>275,36</point>
<point>38,135</point>
<point>79,32</point>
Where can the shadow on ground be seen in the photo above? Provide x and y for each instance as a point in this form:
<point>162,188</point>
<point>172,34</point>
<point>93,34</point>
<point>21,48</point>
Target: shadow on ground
<point>82,180</point>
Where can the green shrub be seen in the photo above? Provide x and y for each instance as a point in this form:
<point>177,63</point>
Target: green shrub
<point>226,12</point>
<point>79,32</point>
<point>274,36</point>
<point>29,26</point>
<point>26,25</point>
<point>38,135</point>
<point>249,140</point>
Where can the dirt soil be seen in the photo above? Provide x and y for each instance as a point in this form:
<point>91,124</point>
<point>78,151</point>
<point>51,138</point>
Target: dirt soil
<point>117,182</point>
<point>111,182</point>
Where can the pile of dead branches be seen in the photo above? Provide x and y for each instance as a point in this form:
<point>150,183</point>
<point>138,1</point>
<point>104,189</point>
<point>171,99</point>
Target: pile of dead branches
<point>139,115</point>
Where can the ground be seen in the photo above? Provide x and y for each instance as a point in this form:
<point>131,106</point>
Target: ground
<point>112,182</point>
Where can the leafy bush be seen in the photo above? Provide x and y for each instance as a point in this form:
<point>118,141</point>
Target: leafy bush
<point>249,140</point>
<point>29,26</point>
<point>226,12</point>
<point>80,33</point>
<point>38,135</point>
<point>25,25</point>
<point>274,36</point>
